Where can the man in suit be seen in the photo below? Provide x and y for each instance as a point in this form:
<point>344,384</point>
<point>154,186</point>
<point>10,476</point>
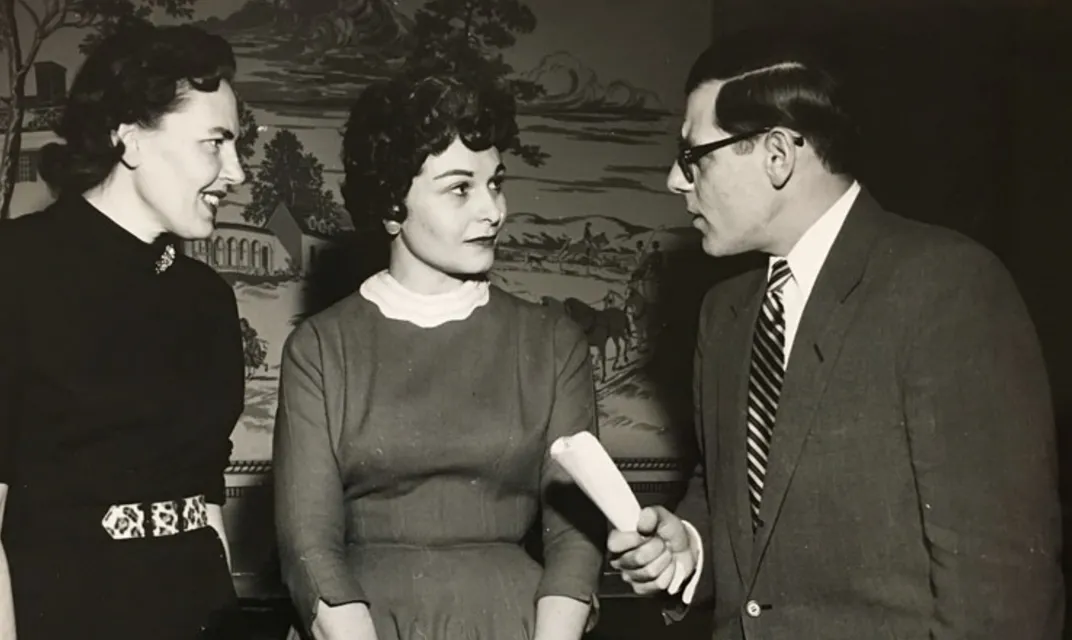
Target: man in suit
<point>872,409</point>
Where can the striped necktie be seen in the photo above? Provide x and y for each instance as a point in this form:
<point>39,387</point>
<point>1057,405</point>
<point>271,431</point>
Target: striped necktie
<point>765,382</point>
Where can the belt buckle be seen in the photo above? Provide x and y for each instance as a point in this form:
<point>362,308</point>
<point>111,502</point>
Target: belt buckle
<point>124,521</point>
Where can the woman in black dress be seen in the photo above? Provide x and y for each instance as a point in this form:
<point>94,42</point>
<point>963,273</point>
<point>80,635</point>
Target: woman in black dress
<point>121,367</point>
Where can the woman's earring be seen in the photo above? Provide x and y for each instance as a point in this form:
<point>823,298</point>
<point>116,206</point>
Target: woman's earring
<point>393,227</point>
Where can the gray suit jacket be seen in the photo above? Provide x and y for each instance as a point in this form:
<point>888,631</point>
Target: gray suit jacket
<point>911,491</point>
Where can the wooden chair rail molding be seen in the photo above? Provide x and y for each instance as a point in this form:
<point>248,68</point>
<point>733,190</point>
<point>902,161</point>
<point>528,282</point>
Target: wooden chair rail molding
<point>257,467</point>
<point>248,514</point>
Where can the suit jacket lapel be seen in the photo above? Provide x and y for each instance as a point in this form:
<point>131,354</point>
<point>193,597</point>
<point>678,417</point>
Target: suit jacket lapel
<point>826,319</point>
<point>733,360</point>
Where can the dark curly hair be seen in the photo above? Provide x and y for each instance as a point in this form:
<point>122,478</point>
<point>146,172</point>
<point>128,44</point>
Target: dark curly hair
<point>137,75</point>
<point>396,124</point>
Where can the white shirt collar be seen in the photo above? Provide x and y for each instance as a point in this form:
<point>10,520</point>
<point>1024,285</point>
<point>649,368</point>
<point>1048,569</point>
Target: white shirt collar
<point>399,303</point>
<point>807,256</point>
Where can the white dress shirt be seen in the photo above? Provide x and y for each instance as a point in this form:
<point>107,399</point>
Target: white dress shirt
<point>805,260</point>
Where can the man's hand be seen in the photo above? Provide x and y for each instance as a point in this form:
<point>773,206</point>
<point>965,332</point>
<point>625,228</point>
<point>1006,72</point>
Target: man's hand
<point>657,557</point>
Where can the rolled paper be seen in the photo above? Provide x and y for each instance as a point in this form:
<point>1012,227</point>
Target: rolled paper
<point>588,463</point>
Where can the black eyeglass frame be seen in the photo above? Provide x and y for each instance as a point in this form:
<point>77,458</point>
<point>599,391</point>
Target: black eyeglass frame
<point>689,156</point>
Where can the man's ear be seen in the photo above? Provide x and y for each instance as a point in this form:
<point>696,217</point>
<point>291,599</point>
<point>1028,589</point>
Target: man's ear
<point>128,138</point>
<point>780,156</point>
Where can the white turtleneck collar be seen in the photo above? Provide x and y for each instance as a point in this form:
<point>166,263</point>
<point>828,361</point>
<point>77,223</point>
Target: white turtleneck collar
<point>424,310</point>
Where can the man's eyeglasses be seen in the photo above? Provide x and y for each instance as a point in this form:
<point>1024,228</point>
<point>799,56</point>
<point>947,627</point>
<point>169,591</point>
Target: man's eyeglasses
<point>687,157</point>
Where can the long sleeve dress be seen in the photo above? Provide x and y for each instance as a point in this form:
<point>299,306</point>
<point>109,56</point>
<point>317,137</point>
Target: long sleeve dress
<point>411,461</point>
<point>119,385</point>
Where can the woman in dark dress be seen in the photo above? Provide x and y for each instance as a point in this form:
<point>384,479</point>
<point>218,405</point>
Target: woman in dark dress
<point>415,416</point>
<point>121,368</point>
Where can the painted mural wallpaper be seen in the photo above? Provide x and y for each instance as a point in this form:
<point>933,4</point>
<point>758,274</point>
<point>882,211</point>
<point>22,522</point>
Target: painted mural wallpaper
<point>592,227</point>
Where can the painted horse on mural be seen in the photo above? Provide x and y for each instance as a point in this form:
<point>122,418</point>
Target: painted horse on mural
<point>601,326</point>
<point>642,289</point>
<point>586,251</point>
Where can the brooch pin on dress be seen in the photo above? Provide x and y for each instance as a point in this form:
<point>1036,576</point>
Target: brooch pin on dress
<point>165,259</point>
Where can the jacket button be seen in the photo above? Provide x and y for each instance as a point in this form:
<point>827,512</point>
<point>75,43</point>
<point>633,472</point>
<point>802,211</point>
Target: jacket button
<point>753,609</point>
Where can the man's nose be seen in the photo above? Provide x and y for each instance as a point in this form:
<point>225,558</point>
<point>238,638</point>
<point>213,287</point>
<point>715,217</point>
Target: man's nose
<point>676,181</point>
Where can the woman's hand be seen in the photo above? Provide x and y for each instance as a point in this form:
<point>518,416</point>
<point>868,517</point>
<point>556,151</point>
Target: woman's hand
<point>350,621</point>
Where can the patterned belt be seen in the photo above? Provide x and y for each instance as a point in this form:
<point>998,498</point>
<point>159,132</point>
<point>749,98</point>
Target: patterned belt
<point>155,519</point>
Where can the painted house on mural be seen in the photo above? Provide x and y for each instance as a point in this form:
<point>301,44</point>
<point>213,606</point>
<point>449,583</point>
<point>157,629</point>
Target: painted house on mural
<point>43,100</point>
<point>285,244</point>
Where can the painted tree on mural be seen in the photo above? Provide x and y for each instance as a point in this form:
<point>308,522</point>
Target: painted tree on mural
<point>254,348</point>
<point>39,21</point>
<point>246,144</point>
<point>468,37</point>
<point>290,175</point>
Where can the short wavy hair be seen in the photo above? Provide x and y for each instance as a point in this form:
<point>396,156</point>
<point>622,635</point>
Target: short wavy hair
<point>137,75</point>
<point>780,76</point>
<point>396,124</point>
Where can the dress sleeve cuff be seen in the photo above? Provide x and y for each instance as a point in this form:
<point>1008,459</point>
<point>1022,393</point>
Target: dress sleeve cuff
<point>327,582</point>
<point>216,480</point>
<point>577,588</point>
<point>216,493</point>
